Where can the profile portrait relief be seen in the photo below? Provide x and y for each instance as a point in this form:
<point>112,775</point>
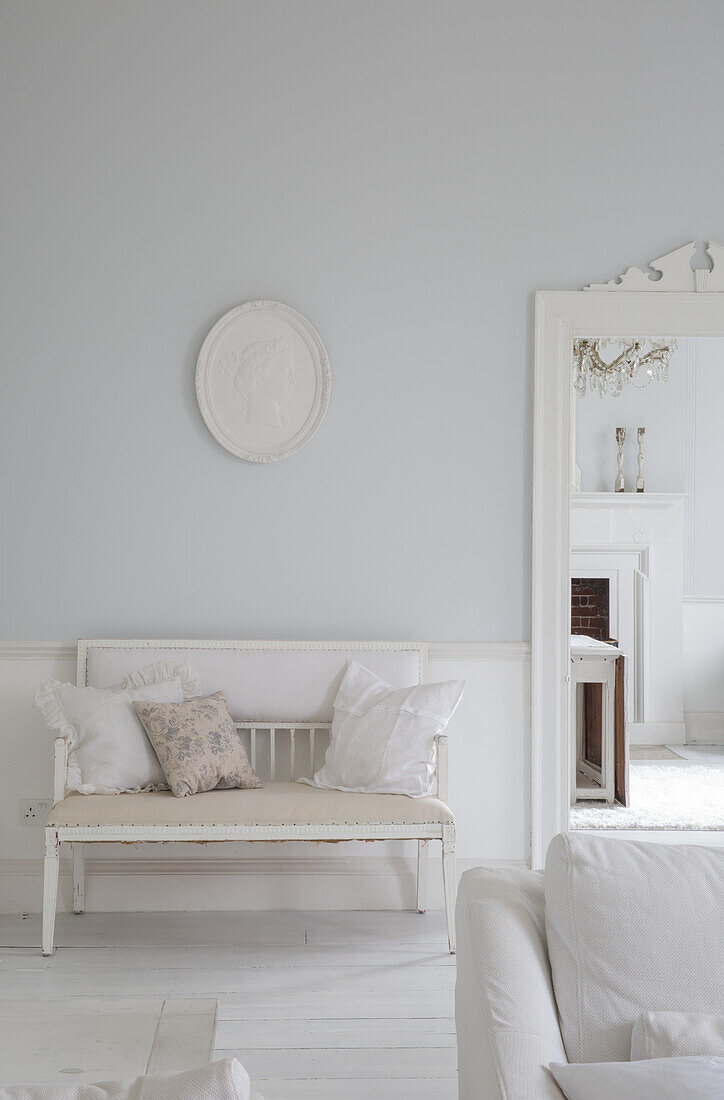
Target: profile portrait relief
<point>264,381</point>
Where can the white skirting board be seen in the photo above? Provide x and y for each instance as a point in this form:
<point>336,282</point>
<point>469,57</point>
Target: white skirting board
<point>183,884</point>
<point>704,727</point>
<point>657,733</point>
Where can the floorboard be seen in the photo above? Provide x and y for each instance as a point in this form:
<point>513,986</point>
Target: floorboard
<point>330,1033</point>
<point>242,957</point>
<point>398,1004</point>
<point>364,1064</point>
<point>49,1041</point>
<point>358,1089</point>
<point>314,1004</point>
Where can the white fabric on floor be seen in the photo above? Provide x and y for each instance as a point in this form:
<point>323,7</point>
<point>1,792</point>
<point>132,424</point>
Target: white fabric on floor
<point>225,1080</point>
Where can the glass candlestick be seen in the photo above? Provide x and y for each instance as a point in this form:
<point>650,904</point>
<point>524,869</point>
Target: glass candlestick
<point>640,434</point>
<point>619,486</point>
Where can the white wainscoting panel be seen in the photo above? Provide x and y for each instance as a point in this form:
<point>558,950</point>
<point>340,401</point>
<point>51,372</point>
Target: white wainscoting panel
<point>704,668</point>
<point>489,793</point>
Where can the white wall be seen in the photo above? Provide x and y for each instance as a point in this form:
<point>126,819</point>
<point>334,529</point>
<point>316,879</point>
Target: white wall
<point>404,172</point>
<point>489,785</point>
<point>703,665</point>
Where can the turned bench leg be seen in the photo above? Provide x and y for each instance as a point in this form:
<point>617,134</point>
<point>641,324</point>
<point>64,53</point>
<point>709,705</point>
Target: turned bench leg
<point>50,888</point>
<point>422,849</point>
<point>448,882</point>
<point>78,878</point>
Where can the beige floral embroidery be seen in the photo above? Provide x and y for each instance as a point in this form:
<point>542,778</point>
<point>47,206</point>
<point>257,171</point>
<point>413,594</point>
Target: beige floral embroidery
<point>197,745</point>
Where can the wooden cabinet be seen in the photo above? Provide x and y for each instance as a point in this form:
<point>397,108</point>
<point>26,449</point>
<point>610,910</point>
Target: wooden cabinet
<point>599,768</point>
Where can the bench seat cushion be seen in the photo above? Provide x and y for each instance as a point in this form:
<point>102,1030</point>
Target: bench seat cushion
<point>273,804</point>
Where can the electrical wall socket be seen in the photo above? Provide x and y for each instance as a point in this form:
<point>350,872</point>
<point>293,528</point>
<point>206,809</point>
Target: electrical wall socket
<point>35,810</point>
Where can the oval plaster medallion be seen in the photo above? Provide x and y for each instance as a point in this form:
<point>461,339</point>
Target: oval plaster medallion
<point>263,381</point>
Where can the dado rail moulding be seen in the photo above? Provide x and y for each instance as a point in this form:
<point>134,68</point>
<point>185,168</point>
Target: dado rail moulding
<point>438,651</point>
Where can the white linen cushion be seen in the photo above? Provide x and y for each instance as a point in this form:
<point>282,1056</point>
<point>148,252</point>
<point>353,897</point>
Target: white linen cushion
<point>658,1079</point>
<point>677,1035</point>
<point>383,737</point>
<point>631,927</point>
<point>109,750</point>
<point>224,1080</point>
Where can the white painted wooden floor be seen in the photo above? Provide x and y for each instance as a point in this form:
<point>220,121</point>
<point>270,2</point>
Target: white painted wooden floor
<point>343,1005</point>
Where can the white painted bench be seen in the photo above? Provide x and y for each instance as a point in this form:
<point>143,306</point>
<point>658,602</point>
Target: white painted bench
<point>280,696</point>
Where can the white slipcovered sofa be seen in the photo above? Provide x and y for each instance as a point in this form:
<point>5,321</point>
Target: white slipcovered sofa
<point>558,966</point>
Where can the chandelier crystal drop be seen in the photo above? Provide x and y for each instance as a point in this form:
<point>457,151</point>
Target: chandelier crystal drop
<point>639,362</point>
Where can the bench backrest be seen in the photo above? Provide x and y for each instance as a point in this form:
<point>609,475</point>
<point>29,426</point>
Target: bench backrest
<point>280,693</point>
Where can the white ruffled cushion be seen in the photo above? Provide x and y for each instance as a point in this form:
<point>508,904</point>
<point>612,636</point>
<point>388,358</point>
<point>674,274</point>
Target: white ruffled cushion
<point>383,737</point>
<point>109,752</point>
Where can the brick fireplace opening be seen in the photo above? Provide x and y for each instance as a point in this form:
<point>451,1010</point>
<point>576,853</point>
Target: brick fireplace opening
<point>590,607</point>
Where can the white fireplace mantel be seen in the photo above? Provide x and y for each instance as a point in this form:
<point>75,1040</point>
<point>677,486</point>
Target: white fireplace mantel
<point>636,540</point>
<point>628,500</point>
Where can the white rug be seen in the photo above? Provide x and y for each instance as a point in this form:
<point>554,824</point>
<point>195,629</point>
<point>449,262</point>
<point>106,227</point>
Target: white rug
<point>663,796</point>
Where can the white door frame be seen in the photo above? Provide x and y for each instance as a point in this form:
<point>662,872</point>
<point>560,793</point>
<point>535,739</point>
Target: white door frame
<point>559,317</point>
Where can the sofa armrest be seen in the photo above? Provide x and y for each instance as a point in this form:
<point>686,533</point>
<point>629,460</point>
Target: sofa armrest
<point>507,1021</point>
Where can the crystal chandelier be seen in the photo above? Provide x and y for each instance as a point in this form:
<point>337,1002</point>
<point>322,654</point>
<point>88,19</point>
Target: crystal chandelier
<point>639,362</point>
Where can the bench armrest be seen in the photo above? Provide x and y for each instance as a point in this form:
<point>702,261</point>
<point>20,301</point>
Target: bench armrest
<point>441,766</point>
<point>60,769</point>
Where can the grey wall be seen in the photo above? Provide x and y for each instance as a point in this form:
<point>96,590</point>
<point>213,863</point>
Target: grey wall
<point>405,173</point>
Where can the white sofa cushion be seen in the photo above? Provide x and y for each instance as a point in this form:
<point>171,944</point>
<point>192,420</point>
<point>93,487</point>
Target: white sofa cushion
<point>507,1026</point>
<point>631,927</point>
<point>109,751</point>
<point>677,1035</point>
<point>273,804</point>
<point>383,737</point>
<point>660,1079</point>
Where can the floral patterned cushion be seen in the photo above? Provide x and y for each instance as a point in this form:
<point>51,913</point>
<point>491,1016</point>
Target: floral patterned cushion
<point>197,744</point>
